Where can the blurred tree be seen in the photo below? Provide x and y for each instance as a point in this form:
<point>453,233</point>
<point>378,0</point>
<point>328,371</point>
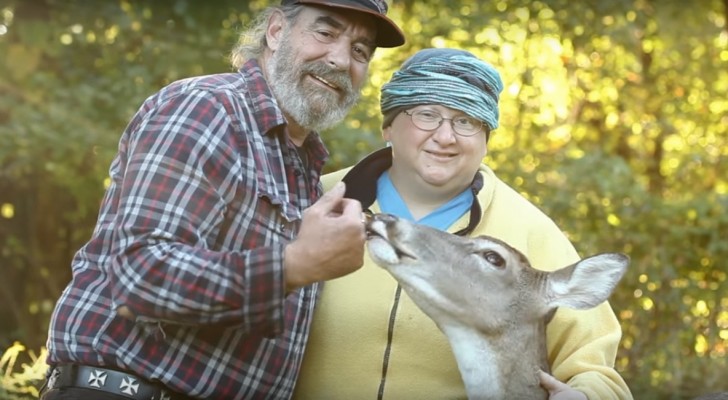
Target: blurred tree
<point>72,78</point>
<point>614,120</point>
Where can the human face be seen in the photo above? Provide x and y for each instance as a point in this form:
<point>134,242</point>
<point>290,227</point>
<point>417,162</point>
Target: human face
<point>319,65</point>
<point>439,158</point>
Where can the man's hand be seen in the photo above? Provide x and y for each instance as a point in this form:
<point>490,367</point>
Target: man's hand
<point>330,242</point>
<point>559,390</point>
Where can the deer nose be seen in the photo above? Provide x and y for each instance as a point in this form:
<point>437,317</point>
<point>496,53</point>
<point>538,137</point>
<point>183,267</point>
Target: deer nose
<point>371,220</point>
<point>383,217</point>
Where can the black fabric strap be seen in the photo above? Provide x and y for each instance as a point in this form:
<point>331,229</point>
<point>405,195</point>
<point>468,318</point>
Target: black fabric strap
<point>390,337</point>
<point>109,381</point>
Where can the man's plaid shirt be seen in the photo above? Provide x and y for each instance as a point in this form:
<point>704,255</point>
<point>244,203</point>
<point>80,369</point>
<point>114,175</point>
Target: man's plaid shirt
<point>205,191</point>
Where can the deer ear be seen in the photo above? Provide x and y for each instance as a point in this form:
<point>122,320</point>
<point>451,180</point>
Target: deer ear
<point>586,283</point>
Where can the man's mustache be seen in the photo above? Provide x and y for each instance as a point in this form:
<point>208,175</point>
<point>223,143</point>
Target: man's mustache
<point>334,76</point>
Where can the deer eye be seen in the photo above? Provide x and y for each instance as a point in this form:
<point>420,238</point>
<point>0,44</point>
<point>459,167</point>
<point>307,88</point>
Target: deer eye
<point>495,259</point>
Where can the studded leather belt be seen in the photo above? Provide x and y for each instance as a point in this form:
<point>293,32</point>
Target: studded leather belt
<point>107,380</point>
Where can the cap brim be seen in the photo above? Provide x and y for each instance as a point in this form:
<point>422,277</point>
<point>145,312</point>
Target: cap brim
<point>388,33</point>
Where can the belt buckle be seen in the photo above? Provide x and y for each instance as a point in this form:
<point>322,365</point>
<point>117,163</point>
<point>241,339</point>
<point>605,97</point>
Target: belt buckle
<point>51,379</point>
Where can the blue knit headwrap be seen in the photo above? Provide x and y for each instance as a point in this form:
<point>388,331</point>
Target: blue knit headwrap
<point>448,77</point>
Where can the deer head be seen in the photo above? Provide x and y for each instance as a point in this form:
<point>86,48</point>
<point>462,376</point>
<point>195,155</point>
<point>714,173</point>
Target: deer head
<point>487,299</point>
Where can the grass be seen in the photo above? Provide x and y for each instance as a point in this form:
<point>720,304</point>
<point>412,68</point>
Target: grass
<point>22,380</point>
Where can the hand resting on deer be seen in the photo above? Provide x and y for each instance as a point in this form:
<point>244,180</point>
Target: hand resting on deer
<point>488,300</point>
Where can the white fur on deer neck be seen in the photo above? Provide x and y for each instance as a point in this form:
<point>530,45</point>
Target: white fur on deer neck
<point>502,365</point>
<point>477,362</point>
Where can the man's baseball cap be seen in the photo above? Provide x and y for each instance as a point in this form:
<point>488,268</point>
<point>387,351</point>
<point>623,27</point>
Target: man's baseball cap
<point>388,33</point>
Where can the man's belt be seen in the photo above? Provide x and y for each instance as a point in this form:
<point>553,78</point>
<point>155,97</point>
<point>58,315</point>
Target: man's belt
<point>107,380</point>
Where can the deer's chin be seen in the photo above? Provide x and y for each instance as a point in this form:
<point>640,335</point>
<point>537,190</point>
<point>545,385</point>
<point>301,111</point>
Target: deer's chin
<point>382,252</point>
<point>387,254</point>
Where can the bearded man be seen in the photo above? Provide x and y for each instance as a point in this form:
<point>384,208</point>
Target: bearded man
<point>201,276</point>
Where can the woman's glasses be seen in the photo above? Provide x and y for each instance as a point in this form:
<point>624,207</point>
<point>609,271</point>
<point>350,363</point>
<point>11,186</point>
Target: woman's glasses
<point>430,120</point>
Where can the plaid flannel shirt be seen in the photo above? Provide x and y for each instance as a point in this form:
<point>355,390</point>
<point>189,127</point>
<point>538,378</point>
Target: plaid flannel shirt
<point>205,191</point>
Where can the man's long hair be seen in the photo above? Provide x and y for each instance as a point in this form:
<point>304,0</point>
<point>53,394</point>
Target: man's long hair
<point>251,42</point>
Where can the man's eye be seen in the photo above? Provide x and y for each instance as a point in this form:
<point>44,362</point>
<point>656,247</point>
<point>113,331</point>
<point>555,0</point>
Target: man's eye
<point>323,36</point>
<point>362,53</point>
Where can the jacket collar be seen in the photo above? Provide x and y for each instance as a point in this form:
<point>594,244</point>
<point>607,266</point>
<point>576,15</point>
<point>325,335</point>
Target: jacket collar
<point>361,184</point>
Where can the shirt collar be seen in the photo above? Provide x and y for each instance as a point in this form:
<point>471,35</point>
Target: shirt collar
<point>268,114</point>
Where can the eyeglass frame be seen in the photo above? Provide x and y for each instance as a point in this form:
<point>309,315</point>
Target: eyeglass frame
<point>411,114</point>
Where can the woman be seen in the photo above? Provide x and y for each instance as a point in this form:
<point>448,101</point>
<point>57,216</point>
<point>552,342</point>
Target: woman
<point>368,339</point>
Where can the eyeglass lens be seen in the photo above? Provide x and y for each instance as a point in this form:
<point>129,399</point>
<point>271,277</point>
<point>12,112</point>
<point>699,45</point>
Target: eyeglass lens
<point>430,120</point>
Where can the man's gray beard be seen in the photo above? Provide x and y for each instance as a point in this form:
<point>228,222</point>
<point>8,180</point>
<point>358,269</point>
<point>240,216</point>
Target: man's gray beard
<point>313,108</point>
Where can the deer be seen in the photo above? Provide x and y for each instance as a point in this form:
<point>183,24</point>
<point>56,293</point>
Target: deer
<point>487,299</point>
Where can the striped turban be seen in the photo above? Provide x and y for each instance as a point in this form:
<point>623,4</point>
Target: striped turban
<point>449,77</point>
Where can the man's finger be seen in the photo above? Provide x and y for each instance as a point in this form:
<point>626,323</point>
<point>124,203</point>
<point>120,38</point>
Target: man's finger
<point>351,207</point>
<point>331,200</point>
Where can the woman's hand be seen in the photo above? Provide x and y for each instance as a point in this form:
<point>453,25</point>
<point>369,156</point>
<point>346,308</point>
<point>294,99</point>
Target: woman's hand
<point>559,390</point>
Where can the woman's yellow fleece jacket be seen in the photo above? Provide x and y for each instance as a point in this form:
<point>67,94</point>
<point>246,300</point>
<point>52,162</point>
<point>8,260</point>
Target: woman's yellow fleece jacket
<point>351,329</point>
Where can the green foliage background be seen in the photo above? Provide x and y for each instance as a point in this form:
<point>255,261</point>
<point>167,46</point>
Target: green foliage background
<point>614,120</point>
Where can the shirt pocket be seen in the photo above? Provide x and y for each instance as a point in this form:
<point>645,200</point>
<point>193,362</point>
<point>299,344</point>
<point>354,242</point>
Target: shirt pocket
<point>258,217</point>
